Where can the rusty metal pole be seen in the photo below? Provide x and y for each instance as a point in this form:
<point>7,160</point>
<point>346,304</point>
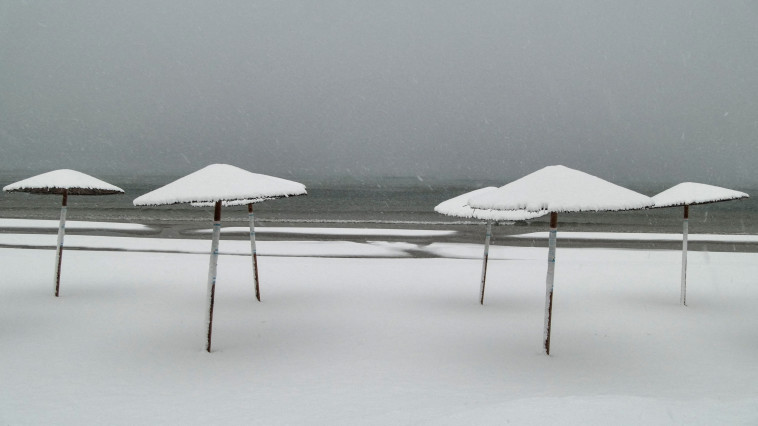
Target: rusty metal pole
<point>484,262</point>
<point>253,250</point>
<point>212,270</point>
<point>685,231</point>
<point>549,281</point>
<point>59,244</point>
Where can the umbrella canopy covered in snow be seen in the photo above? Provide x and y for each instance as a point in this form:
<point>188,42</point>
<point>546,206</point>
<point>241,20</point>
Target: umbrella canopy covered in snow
<point>217,185</point>
<point>687,194</point>
<point>458,207</point>
<point>557,189</point>
<point>64,180</point>
<point>220,182</point>
<point>690,193</point>
<point>560,189</point>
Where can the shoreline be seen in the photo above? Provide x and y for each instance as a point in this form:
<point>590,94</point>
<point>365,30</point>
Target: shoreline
<point>421,235</point>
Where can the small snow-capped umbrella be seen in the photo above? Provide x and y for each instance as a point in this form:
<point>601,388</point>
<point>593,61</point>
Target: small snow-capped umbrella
<point>688,194</point>
<point>251,219</point>
<point>458,207</point>
<point>216,184</point>
<point>558,189</point>
<point>63,182</point>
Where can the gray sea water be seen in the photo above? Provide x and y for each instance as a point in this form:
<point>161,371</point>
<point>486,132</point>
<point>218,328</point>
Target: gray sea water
<point>367,202</point>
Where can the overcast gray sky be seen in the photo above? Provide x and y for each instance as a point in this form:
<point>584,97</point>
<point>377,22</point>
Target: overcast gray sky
<point>624,90</point>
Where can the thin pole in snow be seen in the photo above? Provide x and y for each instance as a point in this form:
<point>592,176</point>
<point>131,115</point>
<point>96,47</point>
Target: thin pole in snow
<point>212,270</point>
<point>59,244</point>
<point>484,261</point>
<point>549,281</point>
<point>253,250</point>
<point>685,231</point>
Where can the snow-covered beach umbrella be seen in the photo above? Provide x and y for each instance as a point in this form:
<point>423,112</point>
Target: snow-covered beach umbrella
<point>687,194</point>
<point>217,184</point>
<point>63,182</point>
<point>458,207</point>
<point>559,189</point>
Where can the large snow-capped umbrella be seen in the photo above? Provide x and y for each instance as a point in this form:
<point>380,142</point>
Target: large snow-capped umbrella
<point>687,194</point>
<point>63,182</point>
<point>458,207</point>
<point>216,184</point>
<point>558,189</point>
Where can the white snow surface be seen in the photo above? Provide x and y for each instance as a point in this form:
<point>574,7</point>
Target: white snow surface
<point>458,207</point>
<point>238,230</point>
<point>622,236</point>
<point>560,189</point>
<point>377,341</point>
<point>71,225</point>
<point>220,182</point>
<point>690,193</point>
<point>62,179</point>
<point>226,247</point>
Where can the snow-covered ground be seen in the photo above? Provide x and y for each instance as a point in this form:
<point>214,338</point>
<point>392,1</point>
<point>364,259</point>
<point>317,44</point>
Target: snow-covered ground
<point>619,236</point>
<point>374,340</point>
<point>230,247</point>
<point>71,225</point>
<point>372,232</point>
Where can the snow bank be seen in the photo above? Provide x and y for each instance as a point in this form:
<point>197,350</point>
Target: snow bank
<point>76,183</point>
<point>71,225</point>
<point>220,182</point>
<point>690,193</point>
<point>226,247</point>
<point>333,231</point>
<point>560,189</point>
<point>622,236</point>
<point>458,207</point>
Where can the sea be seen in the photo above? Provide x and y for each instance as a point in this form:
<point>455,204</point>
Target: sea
<point>380,202</point>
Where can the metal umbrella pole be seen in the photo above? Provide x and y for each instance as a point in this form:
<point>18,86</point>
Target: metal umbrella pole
<point>484,261</point>
<point>549,281</point>
<point>253,250</point>
<point>59,244</point>
<point>212,271</point>
<point>685,231</point>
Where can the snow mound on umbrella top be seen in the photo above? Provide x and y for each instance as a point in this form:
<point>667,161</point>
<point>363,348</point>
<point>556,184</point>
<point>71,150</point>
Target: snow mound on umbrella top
<point>58,181</point>
<point>459,207</point>
<point>220,182</point>
<point>689,193</point>
<point>561,189</point>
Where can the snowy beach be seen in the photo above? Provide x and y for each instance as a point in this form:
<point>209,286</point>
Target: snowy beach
<point>378,213</point>
<point>368,332</point>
